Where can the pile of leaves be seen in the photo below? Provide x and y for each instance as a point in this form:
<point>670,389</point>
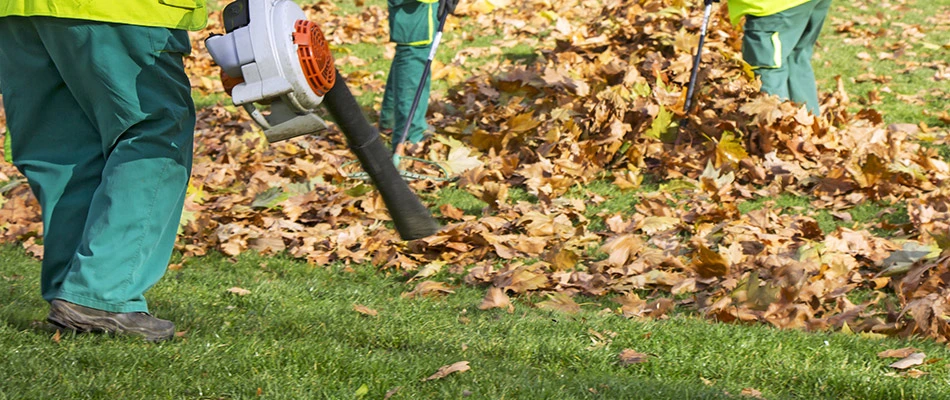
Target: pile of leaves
<point>602,101</point>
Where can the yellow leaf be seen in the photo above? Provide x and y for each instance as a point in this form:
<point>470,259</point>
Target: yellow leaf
<point>653,224</point>
<point>523,122</point>
<point>460,160</point>
<point>661,126</point>
<point>730,149</point>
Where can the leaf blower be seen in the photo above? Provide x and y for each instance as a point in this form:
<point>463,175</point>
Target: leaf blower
<point>272,55</point>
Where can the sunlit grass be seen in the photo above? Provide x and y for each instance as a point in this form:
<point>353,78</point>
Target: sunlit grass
<point>296,335</point>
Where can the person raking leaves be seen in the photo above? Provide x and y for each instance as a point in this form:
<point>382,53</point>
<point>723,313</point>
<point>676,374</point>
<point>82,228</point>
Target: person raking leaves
<point>413,27</point>
<point>101,123</point>
<point>778,41</point>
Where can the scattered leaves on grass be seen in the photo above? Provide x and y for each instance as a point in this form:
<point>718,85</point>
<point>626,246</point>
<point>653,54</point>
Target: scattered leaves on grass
<point>445,370</point>
<point>600,103</point>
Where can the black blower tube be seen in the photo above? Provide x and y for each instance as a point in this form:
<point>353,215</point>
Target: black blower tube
<point>412,218</point>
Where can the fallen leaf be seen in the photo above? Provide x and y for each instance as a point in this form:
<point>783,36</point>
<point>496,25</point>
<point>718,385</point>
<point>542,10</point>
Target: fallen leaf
<point>496,298</point>
<point>445,370</point>
<point>897,353</point>
<point>750,392</point>
<point>428,288</point>
<point>914,373</point>
<point>630,357</point>
<point>365,310</point>
<point>909,361</point>
<point>709,264</point>
<point>239,291</point>
<point>560,301</point>
<point>391,392</point>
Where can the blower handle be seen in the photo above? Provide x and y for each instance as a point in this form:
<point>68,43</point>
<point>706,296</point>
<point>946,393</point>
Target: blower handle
<point>412,219</point>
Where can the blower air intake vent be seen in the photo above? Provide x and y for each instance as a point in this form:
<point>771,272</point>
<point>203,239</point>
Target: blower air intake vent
<point>315,57</point>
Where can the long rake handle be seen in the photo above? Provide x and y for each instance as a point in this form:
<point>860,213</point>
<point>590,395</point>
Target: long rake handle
<point>699,54</point>
<point>422,83</point>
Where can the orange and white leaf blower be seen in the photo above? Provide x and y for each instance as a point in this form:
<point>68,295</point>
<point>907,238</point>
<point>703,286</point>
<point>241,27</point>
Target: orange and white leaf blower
<point>271,54</point>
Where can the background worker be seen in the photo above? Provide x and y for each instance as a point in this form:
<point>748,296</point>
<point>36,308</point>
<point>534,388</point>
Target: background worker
<point>412,26</point>
<point>101,123</point>
<point>778,42</point>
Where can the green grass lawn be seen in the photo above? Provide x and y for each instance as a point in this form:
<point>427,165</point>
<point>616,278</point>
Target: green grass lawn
<point>296,335</point>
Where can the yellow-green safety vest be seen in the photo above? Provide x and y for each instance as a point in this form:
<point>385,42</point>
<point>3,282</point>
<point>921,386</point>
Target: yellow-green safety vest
<point>759,8</point>
<point>178,14</point>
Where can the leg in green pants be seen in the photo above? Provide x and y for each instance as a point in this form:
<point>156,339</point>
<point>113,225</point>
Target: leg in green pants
<point>101,123</point>
<point>412,27</point>
<point>779,47</point>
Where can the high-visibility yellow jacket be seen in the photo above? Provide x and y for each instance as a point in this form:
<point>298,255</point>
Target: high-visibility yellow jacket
<point>179,14</point>
<point>759,8</point>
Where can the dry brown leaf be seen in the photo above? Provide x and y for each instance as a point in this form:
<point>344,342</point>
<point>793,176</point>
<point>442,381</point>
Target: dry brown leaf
<point>897,353</point>
<point>445,370</point>
<point>365,310</point>
<point>496,298</point>
<point>561,302</point>
<point>909,361</point>
<point>428,288</point>
<point>709,264</point>
<point>630,357</point>
<point>239,291</point>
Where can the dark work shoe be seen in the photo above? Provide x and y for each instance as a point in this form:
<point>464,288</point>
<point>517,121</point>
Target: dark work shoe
<point>79,318</point>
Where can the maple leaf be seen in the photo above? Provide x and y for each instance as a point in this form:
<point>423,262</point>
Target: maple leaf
<point>460,160</point>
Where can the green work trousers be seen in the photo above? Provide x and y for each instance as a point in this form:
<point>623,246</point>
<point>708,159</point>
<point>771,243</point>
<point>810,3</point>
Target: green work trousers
<point>779,48</point>
<point>411,26</point>
<point>101,123</point>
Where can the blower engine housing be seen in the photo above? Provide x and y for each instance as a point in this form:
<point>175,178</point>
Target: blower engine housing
<point>276,57</point>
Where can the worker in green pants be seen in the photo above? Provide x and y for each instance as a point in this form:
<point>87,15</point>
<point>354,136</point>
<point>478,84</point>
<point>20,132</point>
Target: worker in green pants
<point>778,41</point>
<point>412,26</point>
<point>101,123</point>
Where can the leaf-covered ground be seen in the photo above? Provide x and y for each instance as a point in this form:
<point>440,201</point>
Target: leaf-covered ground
<point>708,229</point>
